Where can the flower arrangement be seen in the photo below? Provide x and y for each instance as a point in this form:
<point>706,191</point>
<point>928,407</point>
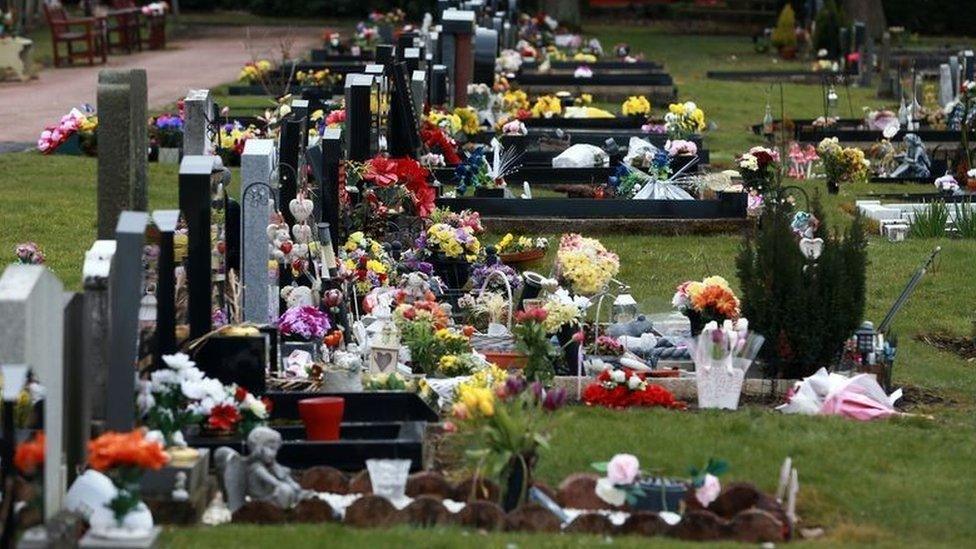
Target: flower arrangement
<point>176,397</point>
<point>469,219</point>
<point>322,77</point>
<point>607,346</point>
<point>758,168</point>
<point>231,137</point>
<point>29,253</point>
<point>335,118</point>
<point>83,122</point>
<point>469,120</point>
<point>457,243</point>
<point>167,130</point>
<point>563,309</point>
<point>624,388</point>
<point>458,365</point>
<point>394,185</point>
<point>636,106</point>
<point>255,72</point>
<point>365,263</point>
<point>428,343</point>
<point>155,8</point>
<point>511,244</point>
<point>450,122</point>
<point>503,429</point>
<point>626,483</point>
<point>585,264</point>
<point>514,127</point>
<point>515,100</point>
<point>488,305</point>
<point>423,311</point>
<point>366,36</point>
<point>437,140</point>
<point>29,455</point>
<point>532,340</point>
<point>123,457</point>
<point>547,106</point>
<point>681,147</point>
<point>304,322</point>
<point>842,164</point>
<point>683,120</point>
<point>481,272</point>
<point>709,300</point>
<point>241,412</point>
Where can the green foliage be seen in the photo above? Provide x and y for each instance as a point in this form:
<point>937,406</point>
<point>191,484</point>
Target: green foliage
<point>930,222</point>
<point>531,340</point>
<point>805,309</point>
<point>965,221</point>
<point>784,35</point>
<point>829,20</point>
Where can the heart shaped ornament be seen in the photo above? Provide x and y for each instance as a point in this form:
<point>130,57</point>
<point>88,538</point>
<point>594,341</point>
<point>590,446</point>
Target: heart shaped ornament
<point>811,248</point>
<point>300,250</point>
<point>302,233</point>
<point>301,208</point>
<point>382,360</point>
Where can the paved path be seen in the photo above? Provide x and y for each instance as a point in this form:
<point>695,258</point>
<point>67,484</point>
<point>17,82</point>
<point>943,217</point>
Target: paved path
<point>199,62</point>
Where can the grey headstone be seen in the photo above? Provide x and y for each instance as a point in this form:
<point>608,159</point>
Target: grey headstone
<point>260,304</point>
<point>485,53</point>
<point>123,145</point>
<point>126,296</point>
<point>508,36</point>
<point>95,278</point>
<point>31,333</point>
<point>197,109</point>
<point>946,91</point>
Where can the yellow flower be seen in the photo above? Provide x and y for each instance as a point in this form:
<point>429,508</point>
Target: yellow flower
<point>716,281</point>
<point>635,106</point>
<point>469,120</point>
<point>694,289</point>
<point>547,106</point>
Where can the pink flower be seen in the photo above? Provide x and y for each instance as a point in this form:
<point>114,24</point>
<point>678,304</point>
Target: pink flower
<point>623,469</point>
<point>708,491</point>
<point>335,118</point>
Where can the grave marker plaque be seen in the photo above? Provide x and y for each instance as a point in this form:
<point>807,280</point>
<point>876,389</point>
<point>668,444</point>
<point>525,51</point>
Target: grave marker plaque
<point>123,143</point>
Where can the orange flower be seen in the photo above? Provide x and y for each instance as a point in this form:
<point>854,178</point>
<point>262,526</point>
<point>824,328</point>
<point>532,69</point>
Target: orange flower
<point>130,449</point>
<point>719,299</point>
<point>30,454</point>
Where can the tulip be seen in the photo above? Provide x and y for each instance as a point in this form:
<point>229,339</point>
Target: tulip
<point>554,399</point>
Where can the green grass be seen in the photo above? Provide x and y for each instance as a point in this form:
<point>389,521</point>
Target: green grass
<point>904,482</point>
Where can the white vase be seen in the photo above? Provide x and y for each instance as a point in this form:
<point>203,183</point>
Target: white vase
<point>138,524</point>
<point>719,384</point>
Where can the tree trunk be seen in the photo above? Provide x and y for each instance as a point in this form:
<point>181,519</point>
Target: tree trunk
<point>871,12</point>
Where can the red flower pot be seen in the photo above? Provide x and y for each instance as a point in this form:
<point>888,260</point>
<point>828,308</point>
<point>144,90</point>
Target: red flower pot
<point>322,417</point>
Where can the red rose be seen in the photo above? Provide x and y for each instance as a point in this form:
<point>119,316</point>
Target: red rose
<point>223,417</point>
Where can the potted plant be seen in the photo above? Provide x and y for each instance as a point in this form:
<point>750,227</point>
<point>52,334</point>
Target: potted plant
<point>302,327</point>
<point>504,427</point>
<point>167,131</point>
<point>532,341</point>
<point>709,300</point>
<point>450,250</point>
<point>784,35</point>
<point>521,250</point>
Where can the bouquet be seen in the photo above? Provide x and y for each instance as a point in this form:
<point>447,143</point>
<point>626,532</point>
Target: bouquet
<point>123,457</point>
<point>510,244</point>
<point>504,427</point>
<point>83,122</point>
<point>547,106</point>
<point>321,77</point>
<point>709,300</point>
<point>563,309</point>
<point>532,340</point>
<point>304,322</point>
<point>758,168</point>
<point>459,365</point>
<point>482,272</point>
<point>29,253</point>
<point>636,106</point>
<point>458,243</point>
<point>168,130</point>
<point>607,346</point>
<point>684,120</point>
<point>842,164</point>
<point>585,264</point>
<point>255,72</point>
<point>394,186</point>
<point>624,388</point>
<point>365,263</point>
<point>722,354</point>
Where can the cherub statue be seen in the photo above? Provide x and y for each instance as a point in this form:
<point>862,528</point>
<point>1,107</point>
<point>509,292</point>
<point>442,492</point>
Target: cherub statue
<point>258,476</point>
<point>915,162</point>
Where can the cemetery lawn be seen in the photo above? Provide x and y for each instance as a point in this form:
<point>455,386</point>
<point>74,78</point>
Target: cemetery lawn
<point>901,482</point>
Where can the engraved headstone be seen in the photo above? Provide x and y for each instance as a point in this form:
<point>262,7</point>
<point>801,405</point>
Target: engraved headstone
<point>260,298</point>
<point>197,109</point>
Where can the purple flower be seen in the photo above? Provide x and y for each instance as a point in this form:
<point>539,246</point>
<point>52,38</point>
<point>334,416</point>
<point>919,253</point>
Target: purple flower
<point>481,273</point>
<point>305,322</point>
<point>514,384</point>
<point>218,318</point>
<point>554,399</point>
<point>29,253</point>
<point>536,389</point>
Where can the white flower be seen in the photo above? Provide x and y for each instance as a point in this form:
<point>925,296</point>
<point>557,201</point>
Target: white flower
<point>160,379</point>
<point>634,382</point>
<point>749,162</point>
<point>178,361</point>
<point>690,107</point>
<point>709,490</point>
<point>609,493</point>
<point>618,376</point>
<point>742,324</point>
<point>145,400</point>
<point>156,436</point>
<point>257,407</point>
<point>190,374</point>
<point>178,439</point>
<point>204,388</point>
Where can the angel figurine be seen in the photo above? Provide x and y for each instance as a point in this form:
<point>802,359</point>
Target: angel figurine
<point>258,476</point>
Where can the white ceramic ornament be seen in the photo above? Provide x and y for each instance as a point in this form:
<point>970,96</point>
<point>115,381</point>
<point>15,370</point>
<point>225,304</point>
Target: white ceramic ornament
<point>811,247</point>
<point>301,208</point>
<point>302,233</point>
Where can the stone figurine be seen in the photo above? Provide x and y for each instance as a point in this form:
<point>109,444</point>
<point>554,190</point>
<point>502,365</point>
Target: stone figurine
<point>915,161</point>
<point>258,476</point>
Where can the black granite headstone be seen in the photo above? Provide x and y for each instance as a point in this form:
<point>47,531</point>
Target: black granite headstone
<point>438,85</point>
<point>403,138</point>
<point>289,151</point>
<point>358,118</point>
<point>166,221</point>
<point>195,207</point>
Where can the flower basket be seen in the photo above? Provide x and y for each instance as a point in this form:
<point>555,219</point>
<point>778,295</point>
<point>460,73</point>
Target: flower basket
<point>453,272</point>
<point>520,258</point>
<point>661,494</point>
